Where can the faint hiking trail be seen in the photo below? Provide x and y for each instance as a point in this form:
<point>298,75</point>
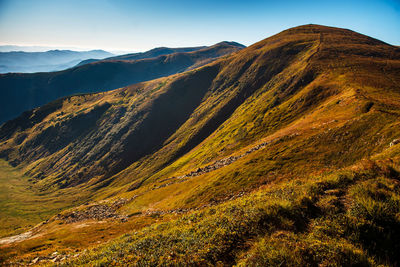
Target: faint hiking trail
<point>18,238</point>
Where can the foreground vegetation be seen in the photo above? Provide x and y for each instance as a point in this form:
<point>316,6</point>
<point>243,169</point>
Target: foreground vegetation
<point>350,217</point>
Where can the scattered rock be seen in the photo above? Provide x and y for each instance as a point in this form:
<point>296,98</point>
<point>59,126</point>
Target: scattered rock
<point>332,192</point>
<point>219,163</point>
<point>97,211</point>
<point>394,142</point>
<point>54,257</point>
<point>57,258</point>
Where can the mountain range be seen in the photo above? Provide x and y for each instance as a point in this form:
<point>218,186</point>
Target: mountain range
<point>286,152</point>
<point>159,51</point>
<point>52,60</point>
<point>40,88</point>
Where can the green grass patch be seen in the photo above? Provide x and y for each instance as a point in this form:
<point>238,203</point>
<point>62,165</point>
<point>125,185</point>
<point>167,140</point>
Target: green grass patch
<point>23,206</point>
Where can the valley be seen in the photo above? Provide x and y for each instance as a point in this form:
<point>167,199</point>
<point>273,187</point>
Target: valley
<point>22,205</point>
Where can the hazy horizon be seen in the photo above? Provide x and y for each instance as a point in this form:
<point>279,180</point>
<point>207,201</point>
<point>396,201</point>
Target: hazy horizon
<point>40,48</point>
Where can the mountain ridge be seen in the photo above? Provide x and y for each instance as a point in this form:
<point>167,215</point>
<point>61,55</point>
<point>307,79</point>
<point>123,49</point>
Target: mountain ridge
<point>304,79</point>
<point>159,51</point>
<point>40,88</point>
<point>286,143</point>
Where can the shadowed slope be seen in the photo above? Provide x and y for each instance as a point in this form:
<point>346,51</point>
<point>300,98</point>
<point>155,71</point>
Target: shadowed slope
<point>20,92</point>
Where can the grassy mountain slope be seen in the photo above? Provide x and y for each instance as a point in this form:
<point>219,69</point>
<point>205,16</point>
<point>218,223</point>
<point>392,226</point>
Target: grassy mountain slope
<point>346,218</point>
<point>41,88</point>
<point>277,154</point>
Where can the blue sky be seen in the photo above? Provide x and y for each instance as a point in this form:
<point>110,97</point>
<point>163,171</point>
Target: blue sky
<point>142,25</point>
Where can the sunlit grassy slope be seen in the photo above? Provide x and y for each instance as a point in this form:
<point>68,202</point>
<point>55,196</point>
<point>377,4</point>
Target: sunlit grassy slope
<point>345,218</point>
<point>267,149</point>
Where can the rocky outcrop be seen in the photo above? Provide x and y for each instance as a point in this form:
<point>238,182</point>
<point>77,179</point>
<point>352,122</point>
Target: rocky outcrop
<point>55,257</point>
<point>96,212</point>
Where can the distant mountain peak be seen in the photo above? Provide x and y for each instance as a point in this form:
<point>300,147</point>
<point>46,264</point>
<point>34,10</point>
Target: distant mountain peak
<point>231,43</point>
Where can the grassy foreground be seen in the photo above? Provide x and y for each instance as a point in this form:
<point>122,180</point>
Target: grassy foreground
<point>350,217</point>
